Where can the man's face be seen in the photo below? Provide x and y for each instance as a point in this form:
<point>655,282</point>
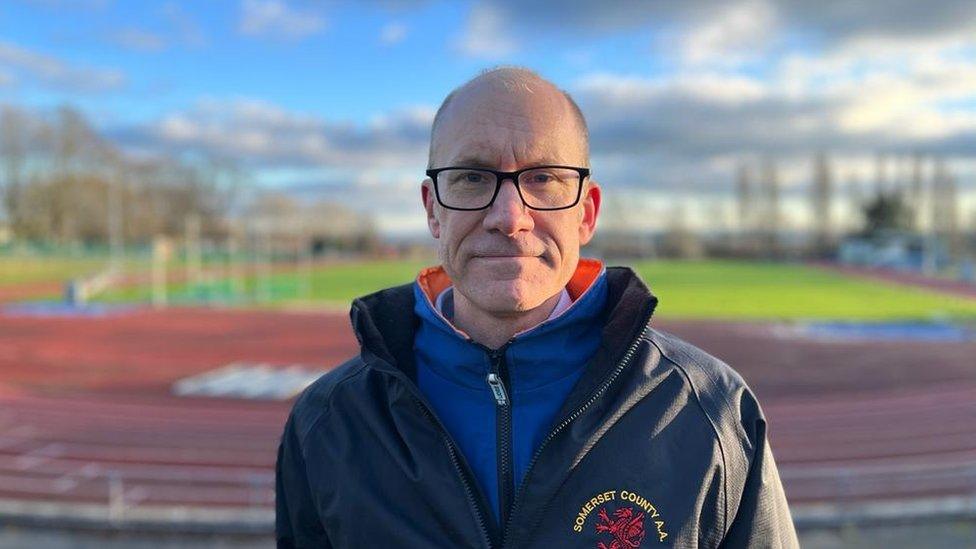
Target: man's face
<point>508,258</point>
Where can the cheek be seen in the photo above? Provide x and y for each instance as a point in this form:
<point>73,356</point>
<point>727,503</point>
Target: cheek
<point>454,229</point>
<point>564,236</point>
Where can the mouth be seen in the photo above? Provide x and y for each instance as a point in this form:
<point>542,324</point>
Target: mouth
<point>504,256</point>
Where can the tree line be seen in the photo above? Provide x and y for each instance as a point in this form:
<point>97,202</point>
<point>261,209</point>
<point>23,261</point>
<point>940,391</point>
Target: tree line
<point>62,182</point>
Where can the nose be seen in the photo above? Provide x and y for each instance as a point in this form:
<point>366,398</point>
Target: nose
<point>508,214</point>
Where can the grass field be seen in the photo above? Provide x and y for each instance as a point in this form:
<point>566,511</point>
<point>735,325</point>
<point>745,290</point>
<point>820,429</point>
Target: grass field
<point>686,289</point>
<point>749,290</point>
<point>26,270</point>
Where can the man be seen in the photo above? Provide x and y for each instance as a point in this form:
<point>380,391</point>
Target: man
<point>515,395</point>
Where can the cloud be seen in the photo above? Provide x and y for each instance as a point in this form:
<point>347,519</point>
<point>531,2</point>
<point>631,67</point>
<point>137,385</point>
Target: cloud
<point>828,19</point>
<point>689,129</point>
<point>184,28</point>
<point>7,80</point>
<point>759,78</point>
<point>51,72</point>
<point>734,34</point>
<point>695,116</point>
<point>276,19</point>
<point>393,33</point>
<point>720,32</point>
<point>373,167</point>
<point>261,135</point>
<point>69,4</point>
<point>841,19</point>
<point>171,27</point>
<point>584,15</point>
<point>138,40</point>
<point>486,34</point>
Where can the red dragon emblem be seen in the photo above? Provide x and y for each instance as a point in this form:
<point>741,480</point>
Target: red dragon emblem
<point>627,528</point>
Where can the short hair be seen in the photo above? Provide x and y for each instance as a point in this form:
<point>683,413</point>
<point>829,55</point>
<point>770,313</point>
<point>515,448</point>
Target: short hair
<point>520,73</point>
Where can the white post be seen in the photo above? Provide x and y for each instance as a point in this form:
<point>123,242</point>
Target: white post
<point>160,254</point>
<point>305,253</point>
<point>234,267</point>
<point>192,247</point>
<point>116,498</point>
<point>115,221</point>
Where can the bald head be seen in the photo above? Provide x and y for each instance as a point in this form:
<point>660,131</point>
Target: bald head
<point>513,97</point>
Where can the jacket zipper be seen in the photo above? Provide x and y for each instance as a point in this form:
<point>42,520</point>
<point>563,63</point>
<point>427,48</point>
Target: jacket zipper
<point>453,453</point>
<point>498,380</point>
<point>628,356</point>
<point>501,385</point>
<point>465,482</point>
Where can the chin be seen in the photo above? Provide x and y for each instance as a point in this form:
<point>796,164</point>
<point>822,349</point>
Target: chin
<point>509,296</point>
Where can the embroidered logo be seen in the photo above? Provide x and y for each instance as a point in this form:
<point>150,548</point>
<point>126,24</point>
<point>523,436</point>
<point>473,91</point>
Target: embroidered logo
<point>626,528</point>
<point>620,519</point>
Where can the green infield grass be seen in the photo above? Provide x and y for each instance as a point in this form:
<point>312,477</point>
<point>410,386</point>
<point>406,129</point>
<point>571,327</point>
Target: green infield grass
<point>686,289</point>
<point>16,270</point>
<point>333,285</point>
<point>754,290</point>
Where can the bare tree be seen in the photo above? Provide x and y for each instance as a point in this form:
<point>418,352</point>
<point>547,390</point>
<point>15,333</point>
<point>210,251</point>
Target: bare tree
<point>821,202</point>
<point>915,191</point>
<point>880,174</point>
<point>13,128</point>
<point>770,224</point>
<point>61,180</point>
<point>744,198</point>
<point>945,207</point>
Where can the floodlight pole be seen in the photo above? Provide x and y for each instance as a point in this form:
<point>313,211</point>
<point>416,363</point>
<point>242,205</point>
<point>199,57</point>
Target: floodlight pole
<point>115,219</point>
<point>305,254</point>
<point>234,267</point>
<point>192,244</point>
<point>160,251</point>
<point>265,255</point>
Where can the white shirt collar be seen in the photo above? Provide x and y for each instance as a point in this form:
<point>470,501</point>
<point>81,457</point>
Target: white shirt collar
<point>564,302</point>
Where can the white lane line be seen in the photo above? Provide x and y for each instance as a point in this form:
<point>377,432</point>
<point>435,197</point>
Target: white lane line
<point>70,479</point>
<point>41,454</point>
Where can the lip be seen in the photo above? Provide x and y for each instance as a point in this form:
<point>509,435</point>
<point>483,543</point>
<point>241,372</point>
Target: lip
<point>500,258</point>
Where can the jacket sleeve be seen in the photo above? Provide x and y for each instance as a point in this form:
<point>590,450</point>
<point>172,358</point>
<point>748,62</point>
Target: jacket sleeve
<point>763,516</point>
<point>297,522</point>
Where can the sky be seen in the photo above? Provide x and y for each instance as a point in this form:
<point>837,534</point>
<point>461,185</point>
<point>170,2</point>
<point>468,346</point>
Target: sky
<point>333,100</point>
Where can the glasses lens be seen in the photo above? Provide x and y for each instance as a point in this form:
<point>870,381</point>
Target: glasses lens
<point>465,188</point>
<point>549,187</point>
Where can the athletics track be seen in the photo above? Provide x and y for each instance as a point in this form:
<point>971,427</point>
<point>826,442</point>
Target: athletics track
<point>90,432</point>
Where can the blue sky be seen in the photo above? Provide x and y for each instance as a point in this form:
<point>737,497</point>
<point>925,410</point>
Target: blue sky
<point>334,99</point>
<point>343,61</point>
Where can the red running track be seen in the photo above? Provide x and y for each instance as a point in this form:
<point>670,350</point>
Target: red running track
<point>86,416</point>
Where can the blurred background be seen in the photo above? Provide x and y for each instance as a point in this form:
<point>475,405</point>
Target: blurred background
<point>191,193</point>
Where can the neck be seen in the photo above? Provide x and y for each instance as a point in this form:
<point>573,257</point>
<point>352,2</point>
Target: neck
<point>494,330</point>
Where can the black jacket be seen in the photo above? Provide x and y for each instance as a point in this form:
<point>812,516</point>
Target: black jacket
<point>659,445</point>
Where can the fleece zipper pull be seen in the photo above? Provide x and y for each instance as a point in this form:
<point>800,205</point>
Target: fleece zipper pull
<point>498,374</point>
<point>497,379</point>
<point>498,389</point>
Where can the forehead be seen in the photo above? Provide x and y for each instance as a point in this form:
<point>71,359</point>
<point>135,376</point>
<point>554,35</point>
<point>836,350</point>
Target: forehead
<point>501,127</point>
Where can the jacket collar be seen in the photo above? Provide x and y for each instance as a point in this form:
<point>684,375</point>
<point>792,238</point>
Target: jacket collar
<point>385,326</point>
<point>537,356</point>
<point>434,280</point>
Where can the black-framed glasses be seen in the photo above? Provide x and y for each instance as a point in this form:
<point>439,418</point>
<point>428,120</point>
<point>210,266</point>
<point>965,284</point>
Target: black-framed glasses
<point>539,187</point>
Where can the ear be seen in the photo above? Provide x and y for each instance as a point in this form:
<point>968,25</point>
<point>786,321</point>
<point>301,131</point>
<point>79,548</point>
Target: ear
<point>427,194</point>
<point>591,209</point>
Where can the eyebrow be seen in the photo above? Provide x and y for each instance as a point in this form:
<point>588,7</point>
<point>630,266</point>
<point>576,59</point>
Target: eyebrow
<point>474,161</point>
<point>479,162</point>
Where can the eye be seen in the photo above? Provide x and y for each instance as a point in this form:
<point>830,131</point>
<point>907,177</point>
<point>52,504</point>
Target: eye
<point>472,177</point>
<point>539,178</point>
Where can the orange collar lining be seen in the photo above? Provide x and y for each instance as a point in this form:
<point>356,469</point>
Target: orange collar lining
<point>434,280</point>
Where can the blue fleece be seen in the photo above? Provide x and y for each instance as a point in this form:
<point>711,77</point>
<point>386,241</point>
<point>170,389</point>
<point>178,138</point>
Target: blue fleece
<point>544,363</point>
